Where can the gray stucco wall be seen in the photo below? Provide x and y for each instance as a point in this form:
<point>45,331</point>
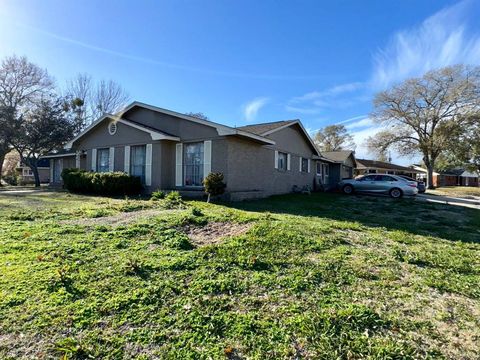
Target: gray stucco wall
<point>186,130</point>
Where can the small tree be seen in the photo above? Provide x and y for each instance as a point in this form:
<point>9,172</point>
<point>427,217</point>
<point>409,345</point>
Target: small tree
<point>333,138</point>
<point>423,113</point>
<point>214,185</point>
<point>44,128</point>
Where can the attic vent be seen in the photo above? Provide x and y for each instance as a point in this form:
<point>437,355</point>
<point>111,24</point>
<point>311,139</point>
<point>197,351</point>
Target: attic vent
<point>112,128</point>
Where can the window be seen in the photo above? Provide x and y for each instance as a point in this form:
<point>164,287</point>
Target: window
<point>325,169</point>
<point>368,178</point>
<point>137,161</point>
<point>27,172</point>
<point>193,164</point>
<point>304,166</point>
<point>384,178</point>
<point>372,171</point>
<point>282,161</point>
<point>103,158</point>
<point>319,168</point>
<point>391,172</point>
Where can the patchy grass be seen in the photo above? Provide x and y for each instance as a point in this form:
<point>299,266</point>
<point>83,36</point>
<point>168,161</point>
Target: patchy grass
<point>459,191</point>
<point>315,277</point>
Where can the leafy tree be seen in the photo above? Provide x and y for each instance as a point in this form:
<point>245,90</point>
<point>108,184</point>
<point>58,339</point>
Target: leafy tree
<point>464,146</point>
<point>89,100</point>
<point>44,128</point>
<point>421,114</point>
<point>333,138</point>
<point>22,84</point>
<point>214,185</point>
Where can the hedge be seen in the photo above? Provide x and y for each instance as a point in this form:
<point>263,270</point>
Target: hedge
<point>106,183</point>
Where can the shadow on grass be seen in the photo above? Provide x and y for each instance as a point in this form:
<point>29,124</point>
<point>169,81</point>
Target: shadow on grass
<point>443,221</point>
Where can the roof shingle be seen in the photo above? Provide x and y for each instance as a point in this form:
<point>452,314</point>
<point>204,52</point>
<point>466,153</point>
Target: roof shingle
<point>262,128</point>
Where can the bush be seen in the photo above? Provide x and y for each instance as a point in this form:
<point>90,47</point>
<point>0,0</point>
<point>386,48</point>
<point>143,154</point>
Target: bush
<point>158,195</point>
<point>11,179</point>
<point>173,200</point>
<point>108,183</point>
<point>214,184</point>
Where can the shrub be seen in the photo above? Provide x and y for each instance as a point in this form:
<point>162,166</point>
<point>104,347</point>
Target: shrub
<point>108,183</point>
<point>158,195</point>
<point>173,200</point>
<point>11,179</point>
<point>214,185</point>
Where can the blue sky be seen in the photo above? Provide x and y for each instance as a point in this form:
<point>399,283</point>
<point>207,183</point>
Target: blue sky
<point>245,61</point>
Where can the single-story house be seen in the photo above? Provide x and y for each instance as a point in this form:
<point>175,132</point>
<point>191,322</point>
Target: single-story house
<point>450,177</point>
<point>25,174</point>
<point>173,151</point>
<point>344,164</point>
<point>365,166</point>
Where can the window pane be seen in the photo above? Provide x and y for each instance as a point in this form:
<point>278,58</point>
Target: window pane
<point>103,156</point>
<point>193,164</point>
<point>137,161</point>
<point>282,161</point>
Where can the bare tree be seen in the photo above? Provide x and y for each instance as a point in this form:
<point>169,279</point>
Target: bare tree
<point>90,100</point>
<point>198,115</point>
<point>420,114</point>
<point>333,138</point>
<point>109,97</point>
<point>22,84</point>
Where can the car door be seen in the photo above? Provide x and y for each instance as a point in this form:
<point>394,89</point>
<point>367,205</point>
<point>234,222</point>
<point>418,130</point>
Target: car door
<point>385,183</point>
<point>365,183</point>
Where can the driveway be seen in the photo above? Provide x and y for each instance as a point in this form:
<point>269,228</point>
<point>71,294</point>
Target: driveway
<point>473,203</point>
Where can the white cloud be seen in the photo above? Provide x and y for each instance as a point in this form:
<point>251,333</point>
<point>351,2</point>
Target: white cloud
<point>442,39</point>
<point>360,123</point>
<point>251,109</point>
<point>315,102</point>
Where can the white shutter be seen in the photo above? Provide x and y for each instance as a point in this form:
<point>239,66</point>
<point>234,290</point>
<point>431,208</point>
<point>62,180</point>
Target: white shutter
<point>300,164</point>
<point>126,160</point>
<point>111,159</point>
<point>207,158</point>
<point>288,161</point>
<point>308,166</point>
<point>276,159</point>
<point>77,159</point>
<point>94,159</point>
<point>148,165</point>
<point>178,164</point>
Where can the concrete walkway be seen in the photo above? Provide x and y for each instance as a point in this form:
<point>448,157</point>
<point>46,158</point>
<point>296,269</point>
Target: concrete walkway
<point>450,200</point>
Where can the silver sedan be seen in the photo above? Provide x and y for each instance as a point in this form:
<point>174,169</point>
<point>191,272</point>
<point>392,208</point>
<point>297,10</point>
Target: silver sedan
<point>393,185</point>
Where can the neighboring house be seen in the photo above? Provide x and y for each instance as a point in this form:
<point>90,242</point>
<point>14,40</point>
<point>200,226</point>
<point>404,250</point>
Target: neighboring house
<point>343,164</point>
<point>365,166</point>
<point>173,151</point>
<point>450,177</point>
<point>25,174</point>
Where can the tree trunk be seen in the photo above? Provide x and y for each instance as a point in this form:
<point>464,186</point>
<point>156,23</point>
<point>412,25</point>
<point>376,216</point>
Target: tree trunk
<point>2,159</point>
<point>430,177</point>
<point>35,175</point>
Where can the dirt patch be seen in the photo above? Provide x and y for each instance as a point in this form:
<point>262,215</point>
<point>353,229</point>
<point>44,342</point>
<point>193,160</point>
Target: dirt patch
<point>214,232</point>
<point>118,219</point>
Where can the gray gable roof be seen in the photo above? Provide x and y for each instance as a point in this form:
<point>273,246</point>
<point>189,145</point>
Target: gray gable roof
<point>263,128</point>
<point>339,155</point>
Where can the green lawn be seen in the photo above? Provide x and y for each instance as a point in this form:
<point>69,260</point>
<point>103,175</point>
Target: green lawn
<point>324,276</point>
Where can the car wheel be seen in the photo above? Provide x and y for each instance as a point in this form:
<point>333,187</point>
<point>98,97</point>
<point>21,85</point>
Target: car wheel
<point>396,193</point>
<point>347,189</point>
